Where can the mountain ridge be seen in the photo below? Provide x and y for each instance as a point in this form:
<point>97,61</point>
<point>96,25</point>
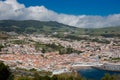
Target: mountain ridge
<point>48,27</point>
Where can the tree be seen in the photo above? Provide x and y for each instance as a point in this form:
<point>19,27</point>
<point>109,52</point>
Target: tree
<point>43,50</point>
<point>54,77</point>
<point>45,78</point>
<point>1,46</point>
<point>36,76</point>
<point>4,72</point>
<point>69,50</point>
<point>24,78</point>
<point>108,77</point>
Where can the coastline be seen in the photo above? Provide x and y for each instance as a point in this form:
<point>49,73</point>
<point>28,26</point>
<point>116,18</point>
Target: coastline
<point>81,67</point>
<point>106,67</point>
<point>96,73</point>
<point>99,68</point>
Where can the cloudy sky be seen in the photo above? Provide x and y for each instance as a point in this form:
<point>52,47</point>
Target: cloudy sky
<point>79,13</point>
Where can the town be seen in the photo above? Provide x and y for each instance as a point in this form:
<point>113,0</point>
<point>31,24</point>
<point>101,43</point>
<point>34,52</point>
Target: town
<point>58,55</point>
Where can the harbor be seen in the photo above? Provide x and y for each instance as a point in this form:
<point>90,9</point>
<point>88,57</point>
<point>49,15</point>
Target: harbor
<point>95,73</point>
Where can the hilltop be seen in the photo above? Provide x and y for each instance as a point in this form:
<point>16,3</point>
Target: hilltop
<point>31,26</point>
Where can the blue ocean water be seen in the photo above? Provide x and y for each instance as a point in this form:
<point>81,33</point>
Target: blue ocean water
<point>95,74</point>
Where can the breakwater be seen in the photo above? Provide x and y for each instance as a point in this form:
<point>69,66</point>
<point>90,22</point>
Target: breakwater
<point>109,67</point>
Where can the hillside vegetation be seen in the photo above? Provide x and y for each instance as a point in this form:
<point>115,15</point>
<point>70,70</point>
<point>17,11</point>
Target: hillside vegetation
<point>51,27</point>
<point>31,26</point>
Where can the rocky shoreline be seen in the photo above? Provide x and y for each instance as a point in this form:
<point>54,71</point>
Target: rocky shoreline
<point>106,66</point>
<point>109,67</point>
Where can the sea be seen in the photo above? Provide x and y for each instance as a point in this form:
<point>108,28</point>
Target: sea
<point>95,74</point>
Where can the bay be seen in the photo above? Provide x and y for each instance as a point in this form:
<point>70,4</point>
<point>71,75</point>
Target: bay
<point>95,74</point>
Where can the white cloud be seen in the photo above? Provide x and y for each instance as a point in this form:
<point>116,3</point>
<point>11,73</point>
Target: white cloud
<point>11,9</point>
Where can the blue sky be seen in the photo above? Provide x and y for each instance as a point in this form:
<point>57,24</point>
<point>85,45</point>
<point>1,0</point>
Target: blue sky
<point>78,13</point>
<point>78,7</point>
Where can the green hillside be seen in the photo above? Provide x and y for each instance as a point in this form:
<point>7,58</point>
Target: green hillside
<point>31,26</point>
<point>50,27</point>
<point>106,32</point>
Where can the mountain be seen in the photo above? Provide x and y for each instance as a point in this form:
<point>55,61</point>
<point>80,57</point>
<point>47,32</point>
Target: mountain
<point>31,26</point>
<point>50,27</point>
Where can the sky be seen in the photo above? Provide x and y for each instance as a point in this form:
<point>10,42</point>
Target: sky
<point>78,13</point>
<point>78,7</point>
